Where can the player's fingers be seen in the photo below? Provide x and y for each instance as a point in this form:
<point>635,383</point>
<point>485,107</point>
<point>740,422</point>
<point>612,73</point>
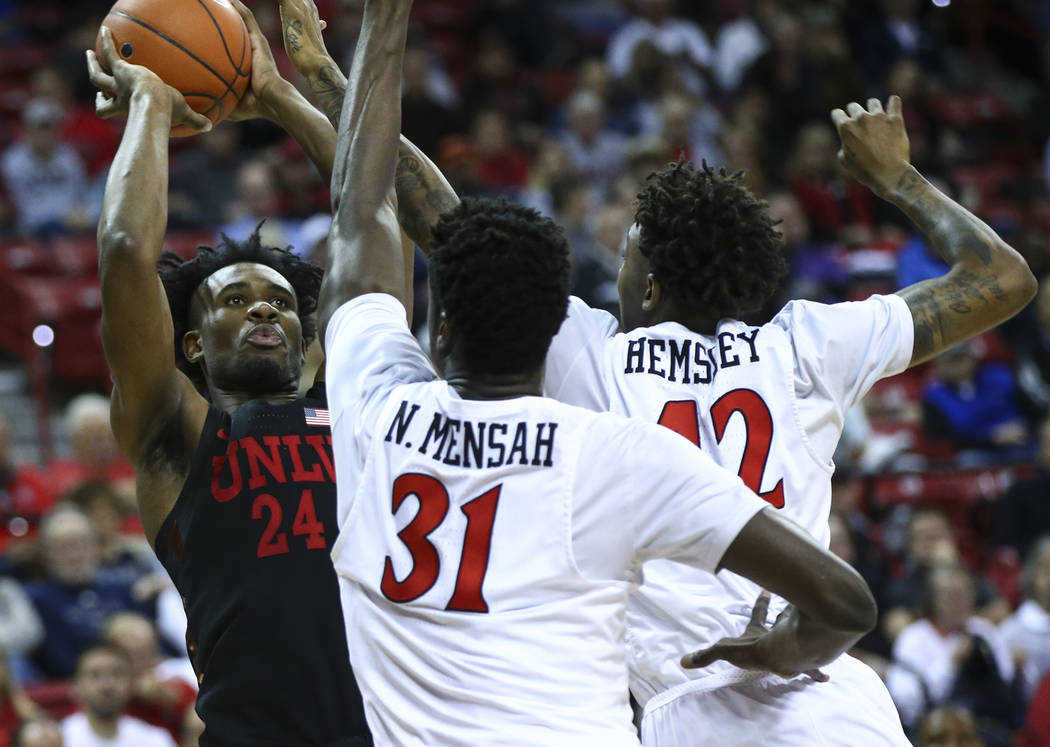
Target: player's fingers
<point>246,15</point>
<point>894,106</point>
<point>97,75</point>
<point>324,25</point>
<point>816,675</point>
<point>192,119</point>
<point>109,48</point>
<point>761,609</point>
<point>854,109</point>
<point>839,117</point>
<point>105,107</point>
<point>874,106</point>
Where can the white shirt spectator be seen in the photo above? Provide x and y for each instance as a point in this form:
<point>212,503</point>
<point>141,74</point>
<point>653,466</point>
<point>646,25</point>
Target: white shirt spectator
<point>674,37</point>
<point>44,190</point>
<point>20,626</point>
<point>923,651</point>
<point>131,732</point>
<point>738,44</point>
<point>1027,631</point>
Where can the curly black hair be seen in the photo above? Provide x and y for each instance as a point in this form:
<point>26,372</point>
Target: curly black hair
<point>500,272</point>
<point>181,279</point>
<point>709,240</point>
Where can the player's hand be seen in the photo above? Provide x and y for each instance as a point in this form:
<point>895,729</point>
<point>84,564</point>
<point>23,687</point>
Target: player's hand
<point>760,648</point>
<point>266,85</point>
<point>302,27</point>
<point>875,148</point>
<point>117,86</point>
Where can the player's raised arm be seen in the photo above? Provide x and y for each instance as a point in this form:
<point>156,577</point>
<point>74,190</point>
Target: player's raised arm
<point>137,330</point>
<point>423,193</point>
<point>988,282</point>
<point>365,241</point>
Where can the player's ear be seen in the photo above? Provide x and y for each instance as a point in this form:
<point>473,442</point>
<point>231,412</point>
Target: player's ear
<point>443,337</point>
<point>651,299</point>
<point>191,346</point>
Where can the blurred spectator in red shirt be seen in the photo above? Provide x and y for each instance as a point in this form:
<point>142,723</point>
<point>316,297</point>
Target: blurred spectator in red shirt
<point>161,694</point>
<point>501,165</point>
<point>25,493</point>
<point>96,456</point>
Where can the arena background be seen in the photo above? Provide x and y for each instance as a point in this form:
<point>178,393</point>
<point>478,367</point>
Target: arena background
<point>567,106</point>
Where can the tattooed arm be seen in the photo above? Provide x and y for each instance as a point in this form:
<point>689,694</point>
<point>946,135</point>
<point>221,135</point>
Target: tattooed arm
<point>423,193</point>
<point>988,282</point>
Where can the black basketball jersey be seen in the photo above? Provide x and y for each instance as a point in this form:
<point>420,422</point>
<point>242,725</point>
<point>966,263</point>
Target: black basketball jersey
<point>248,546</point>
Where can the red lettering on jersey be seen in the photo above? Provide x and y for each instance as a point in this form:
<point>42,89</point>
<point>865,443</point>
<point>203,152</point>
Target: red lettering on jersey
<point>759,424</point>
<point>299,473</point>
<point>257,456</point>
<point>433,505</point>
<point>231,491</point>
<point>318,442</point>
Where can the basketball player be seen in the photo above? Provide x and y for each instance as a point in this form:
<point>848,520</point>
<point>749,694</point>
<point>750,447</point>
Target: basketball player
<point>769,402</point>
<point>234,469</point>
<point>489,535</point>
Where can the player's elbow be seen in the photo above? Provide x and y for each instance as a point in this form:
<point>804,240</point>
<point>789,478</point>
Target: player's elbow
<point>116,245</point>
<point>1015,277</point>
<point>848,604</point>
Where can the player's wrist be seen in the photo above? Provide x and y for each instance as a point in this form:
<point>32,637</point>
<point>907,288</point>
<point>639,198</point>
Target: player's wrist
<point>892,186</point>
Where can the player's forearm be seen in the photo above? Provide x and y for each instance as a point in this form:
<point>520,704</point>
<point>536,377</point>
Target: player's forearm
<point>423,194</point>
<point>135,204</point>
<point>328,83</point>
<point>800,643</point>
<point>989,281</point>
<point>310,128</point>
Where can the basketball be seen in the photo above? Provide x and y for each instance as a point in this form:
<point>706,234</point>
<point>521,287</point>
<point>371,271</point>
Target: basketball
<point>199,47</point>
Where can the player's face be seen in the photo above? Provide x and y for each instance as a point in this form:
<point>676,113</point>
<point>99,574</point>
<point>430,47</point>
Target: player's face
<point>633,282</point>
<point>248,335</point>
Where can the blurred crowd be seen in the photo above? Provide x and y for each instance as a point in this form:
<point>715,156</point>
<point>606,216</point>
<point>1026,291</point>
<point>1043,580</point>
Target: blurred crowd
<point>943,479</point>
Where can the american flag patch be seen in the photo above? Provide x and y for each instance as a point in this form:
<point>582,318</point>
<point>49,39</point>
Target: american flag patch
<point>317,417</point>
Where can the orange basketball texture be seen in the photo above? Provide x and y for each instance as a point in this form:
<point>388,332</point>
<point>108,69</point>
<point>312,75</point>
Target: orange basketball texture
<point>199,47</point>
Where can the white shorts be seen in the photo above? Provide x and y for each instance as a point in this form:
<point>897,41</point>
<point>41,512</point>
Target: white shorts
<point>852,709</point>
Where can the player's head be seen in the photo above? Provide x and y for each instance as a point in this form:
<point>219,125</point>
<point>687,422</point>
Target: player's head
<point>702,246</point>
<point>243,313</point>
<point>499,280</point>
<point>102,681</point>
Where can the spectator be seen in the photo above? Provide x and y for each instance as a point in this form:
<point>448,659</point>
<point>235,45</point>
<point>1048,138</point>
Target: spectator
<point>37,733</point>
<point>102,687</point>
<point>427,111</point>
<point>501,165</point>
<point>71,601</point>
<point>741,40</point>
<point>500,84</point>
<point>818,272</point>
<point>1027,631</point>
<point>1036,729</point>
<point>690,130</point>
<point>96,455</point>
<point>1033,355</point>
<point>949,726</point>
<point>15,707</point>
<point>204,180</point>
<point>594,276</point>
<point>125,558</point>
<point>974,408</point>
<point>160,692</point>
<point>1023,514</point>
<point>896,30</point>
<point>950,655</point>
<point>677,38</point>
<point>257,201</point>
<point>25,493</point>
<point>596,153</point>
<point>930,542</point>
<point>21,629</point>
<point>94,138</point>
<point>550,166</point>
<point>44,176</point>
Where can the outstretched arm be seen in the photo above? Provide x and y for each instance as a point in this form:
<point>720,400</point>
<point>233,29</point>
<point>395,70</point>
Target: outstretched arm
<point>423,193</point>
<point>137,333</point>
<point>988,282</point>
<point>365,240</point>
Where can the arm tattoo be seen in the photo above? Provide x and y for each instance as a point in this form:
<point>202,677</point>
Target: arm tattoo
<point>421,198</point>
<point>329,84</point>
<point>953,231</point>
<point>292,33</point>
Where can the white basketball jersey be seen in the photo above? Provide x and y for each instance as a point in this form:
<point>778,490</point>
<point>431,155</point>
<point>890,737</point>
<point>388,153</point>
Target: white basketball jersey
<point>487,548</point>
<point>766,402</point>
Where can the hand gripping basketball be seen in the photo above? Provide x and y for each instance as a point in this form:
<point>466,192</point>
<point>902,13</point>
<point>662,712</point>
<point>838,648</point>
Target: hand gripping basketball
<point>117,87</point>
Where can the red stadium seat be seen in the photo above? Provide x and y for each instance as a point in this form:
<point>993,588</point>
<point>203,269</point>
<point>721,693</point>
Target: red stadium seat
<point>55,697</point>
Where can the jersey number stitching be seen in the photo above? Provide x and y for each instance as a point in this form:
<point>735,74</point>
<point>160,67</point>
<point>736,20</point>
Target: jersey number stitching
<point>681,417</point>
<point>274,541</point>
<point>426,564</point>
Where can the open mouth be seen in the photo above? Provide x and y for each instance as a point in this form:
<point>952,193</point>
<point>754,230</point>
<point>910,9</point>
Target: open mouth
<point>265,336</point>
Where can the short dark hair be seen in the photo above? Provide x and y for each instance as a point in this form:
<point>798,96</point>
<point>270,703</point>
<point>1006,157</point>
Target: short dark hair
<point>181,279</point>
<point>103,647</point>
<point>501,275</point>
<point>709,240</point>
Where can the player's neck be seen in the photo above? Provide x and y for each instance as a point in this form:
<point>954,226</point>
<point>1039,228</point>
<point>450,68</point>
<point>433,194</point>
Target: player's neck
<point>493,386</point>
<point>229,400</point>
<point>701,323</point>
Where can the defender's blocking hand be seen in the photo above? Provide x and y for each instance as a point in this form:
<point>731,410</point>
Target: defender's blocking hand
<point>875,148</point>
<point>302,27</point>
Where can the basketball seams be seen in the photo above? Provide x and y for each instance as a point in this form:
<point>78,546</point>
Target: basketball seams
<point>222,37</point>
<point>228,84</point>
